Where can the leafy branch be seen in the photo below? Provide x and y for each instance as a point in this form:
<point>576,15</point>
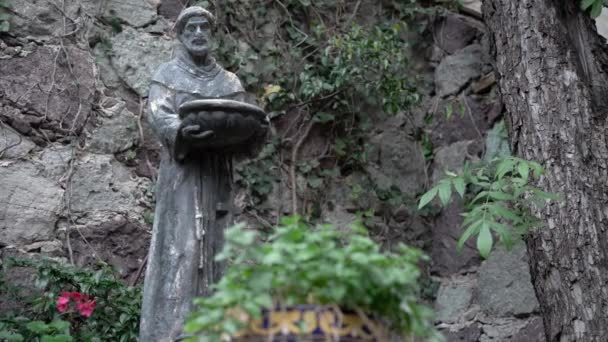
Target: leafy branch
<point>498,196</point>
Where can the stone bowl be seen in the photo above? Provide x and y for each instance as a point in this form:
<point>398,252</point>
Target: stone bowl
<point>230,123</point>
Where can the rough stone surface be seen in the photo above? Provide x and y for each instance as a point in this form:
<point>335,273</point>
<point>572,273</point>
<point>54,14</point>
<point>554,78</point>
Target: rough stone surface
<point>505,287</point>
<point>55,160</point>
<point>13,144</point>
<point>447,229</point>
<point>108,75</point>
<point>469,333</point>
<point>533,332</point>
<point>101,186</point>
<point>454,32</point>
<point>170,9</point>
<point>469,119</point>
<point>136,13</point>
<point>455,71</point>
<point>29,204</point>
<point>502,329</point>
<point>117,130</point>
<point>118,241</point>
<point>396,160</point>
<point>454,298</point>
<point>26,82</point>
<point>37,18</point>
<point>472,7</point>
<point>136,56</point>
<point>450,158</point>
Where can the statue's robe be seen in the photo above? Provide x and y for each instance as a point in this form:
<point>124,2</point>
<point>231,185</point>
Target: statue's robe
<point>193,200</point>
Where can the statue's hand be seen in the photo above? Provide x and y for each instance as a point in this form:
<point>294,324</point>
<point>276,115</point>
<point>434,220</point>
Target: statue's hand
<point>194,132</point>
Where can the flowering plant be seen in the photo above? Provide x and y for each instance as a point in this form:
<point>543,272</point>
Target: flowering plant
<point>84,305</point>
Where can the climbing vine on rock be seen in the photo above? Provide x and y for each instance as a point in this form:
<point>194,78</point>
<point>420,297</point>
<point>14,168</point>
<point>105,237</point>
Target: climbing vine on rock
<point>325,70</point>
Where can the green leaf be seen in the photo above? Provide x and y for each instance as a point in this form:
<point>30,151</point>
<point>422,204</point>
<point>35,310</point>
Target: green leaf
<point>484,241</point>
<point>59,325</point>
<point>501,196</point>
<point>537,168</point>
<point>459,185</point>
<point>587,3</point>
<point>547,196</point>
<point>504,167</point>
<point>448,111</point>
<point>479,196</point>
<point>427,197</point>
<point>470,231</point>
<point>5,26</point>
<point>503,233</point>
<point>315,182</point>
<point>499,210</point>
<point>10,337</point>
<point>56,338</point>
<point>445,192</point>
<point>596,10</point>
<point>240,236</point>
<point>38,327</point>
<point>523,170</point>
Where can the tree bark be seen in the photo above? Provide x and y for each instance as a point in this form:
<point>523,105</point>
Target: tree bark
<point>552,68</point>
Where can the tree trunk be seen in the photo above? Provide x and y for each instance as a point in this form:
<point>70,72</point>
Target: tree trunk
<point>553,75</point>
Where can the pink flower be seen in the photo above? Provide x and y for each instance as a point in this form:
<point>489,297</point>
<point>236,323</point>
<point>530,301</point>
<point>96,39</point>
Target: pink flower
<point>86,307</point>
<point>62,303</point>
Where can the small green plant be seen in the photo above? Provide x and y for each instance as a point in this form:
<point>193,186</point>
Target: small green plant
<point>500,200</point>
<point>593,6</point>
<point>4,16</point>
<point>321,266</point>
<point>22,329</point>
<point>108,310</point>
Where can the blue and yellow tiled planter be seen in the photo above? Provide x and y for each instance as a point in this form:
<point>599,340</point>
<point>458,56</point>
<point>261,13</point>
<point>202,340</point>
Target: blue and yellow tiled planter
<point>310,323</point>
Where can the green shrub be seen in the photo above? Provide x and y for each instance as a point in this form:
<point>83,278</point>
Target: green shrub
<point>322,266</point>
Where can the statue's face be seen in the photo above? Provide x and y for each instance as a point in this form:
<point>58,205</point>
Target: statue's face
<point>196,36</point>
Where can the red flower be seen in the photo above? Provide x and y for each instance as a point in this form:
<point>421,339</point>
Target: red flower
<point>86,307</point>
<point>83,304</point>
<point>75,295</point>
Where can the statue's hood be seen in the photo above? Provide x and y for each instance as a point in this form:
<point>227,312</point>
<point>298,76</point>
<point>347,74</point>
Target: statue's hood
<point>183,75</point>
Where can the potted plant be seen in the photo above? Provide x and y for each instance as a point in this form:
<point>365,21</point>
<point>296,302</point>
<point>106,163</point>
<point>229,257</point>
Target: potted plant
<point>312,284</point>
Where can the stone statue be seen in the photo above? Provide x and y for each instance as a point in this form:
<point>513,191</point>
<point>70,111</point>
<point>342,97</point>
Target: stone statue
<point>197,109</point>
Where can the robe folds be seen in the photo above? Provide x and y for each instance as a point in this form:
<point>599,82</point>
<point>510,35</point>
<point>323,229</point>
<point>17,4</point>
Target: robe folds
<point>193,201</point>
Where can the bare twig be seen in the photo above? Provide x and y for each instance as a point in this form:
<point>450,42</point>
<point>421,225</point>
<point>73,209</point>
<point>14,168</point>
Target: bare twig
<point>140,270</point>
<point>317,99</point>
<point>470,114</point>
<point>354,14</point>
<point>50,91</point>
<point>68,203</point>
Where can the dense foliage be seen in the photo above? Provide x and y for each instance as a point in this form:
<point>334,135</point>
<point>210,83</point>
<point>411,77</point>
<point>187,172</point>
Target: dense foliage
<point>300,264</point>
<point>113,315</point>
<point>318,63</point>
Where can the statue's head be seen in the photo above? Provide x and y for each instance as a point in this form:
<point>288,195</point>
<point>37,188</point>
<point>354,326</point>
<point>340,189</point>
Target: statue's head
<point>194,30</point>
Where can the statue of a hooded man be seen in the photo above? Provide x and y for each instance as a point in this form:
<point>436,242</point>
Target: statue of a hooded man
<point>194,197</point>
